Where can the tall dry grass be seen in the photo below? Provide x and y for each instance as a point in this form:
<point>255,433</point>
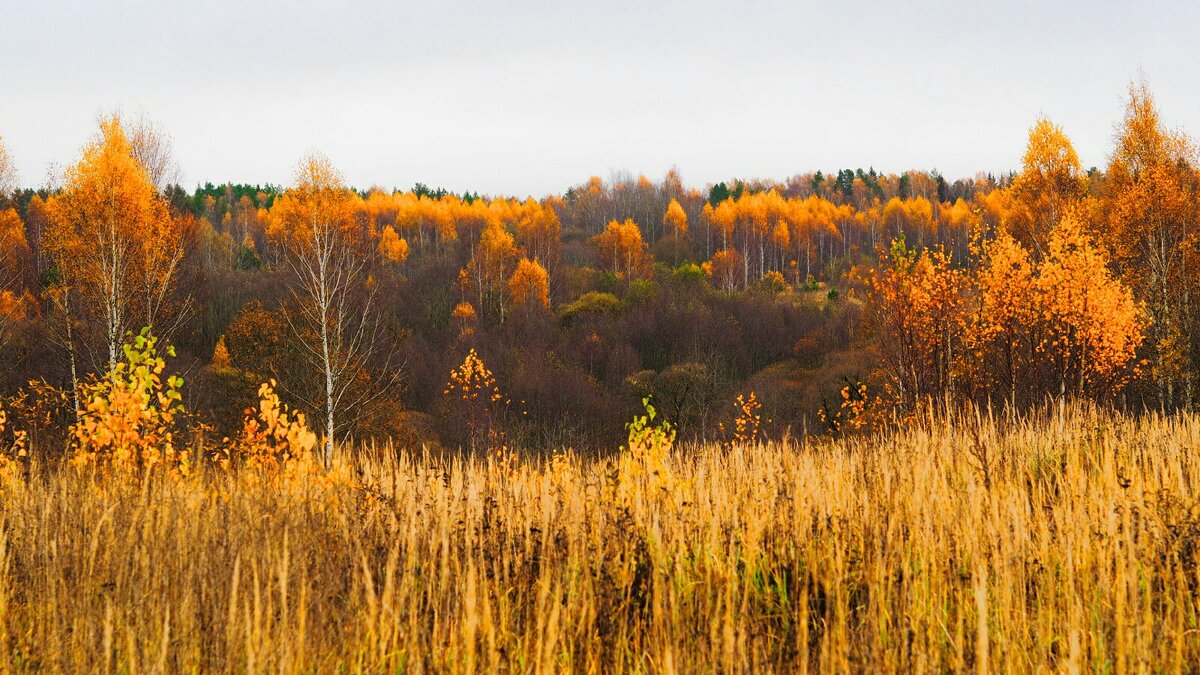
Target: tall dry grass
<point>1065,545</point>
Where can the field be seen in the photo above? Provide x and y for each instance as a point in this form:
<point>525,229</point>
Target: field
<point>1065,542</point>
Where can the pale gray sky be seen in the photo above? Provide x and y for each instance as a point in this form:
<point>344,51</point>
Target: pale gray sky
<point>532,97</point>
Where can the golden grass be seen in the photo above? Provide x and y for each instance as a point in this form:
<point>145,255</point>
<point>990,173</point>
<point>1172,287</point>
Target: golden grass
<point>1075,550</point>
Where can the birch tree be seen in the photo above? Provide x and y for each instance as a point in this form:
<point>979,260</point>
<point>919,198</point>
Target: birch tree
<point>329,262</point>
<point>113,245</point>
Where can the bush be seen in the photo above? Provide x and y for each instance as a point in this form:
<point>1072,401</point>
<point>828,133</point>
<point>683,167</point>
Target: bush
<point>129,416</point>
<point>594,302</point>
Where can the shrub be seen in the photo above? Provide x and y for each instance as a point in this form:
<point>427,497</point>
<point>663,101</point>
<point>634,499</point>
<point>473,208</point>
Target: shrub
<point>643,470</point>
<point>128,421</point>
<point>13,452</point>
<point>594,302</point>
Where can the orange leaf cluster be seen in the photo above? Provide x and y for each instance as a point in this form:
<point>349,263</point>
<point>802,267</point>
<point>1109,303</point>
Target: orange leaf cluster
<point>675,218</point>
<point>392,247</point>
<point>276,446</point>
<point>529,285</point>
<point>723,269</point>
<point>1011,328</point>
<point>473,393</point>
<point>128,422</point>
<point>622,250</point>
<point>747,425</point>
<point>115,246</point>
<point>13,453</point>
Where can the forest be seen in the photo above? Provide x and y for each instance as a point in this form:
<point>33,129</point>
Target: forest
<point>829,296</point>
<point>853,421</point>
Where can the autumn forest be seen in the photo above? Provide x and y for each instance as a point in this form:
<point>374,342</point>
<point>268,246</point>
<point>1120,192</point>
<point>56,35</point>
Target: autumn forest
<point>361,303</point>
<point>848,421</point>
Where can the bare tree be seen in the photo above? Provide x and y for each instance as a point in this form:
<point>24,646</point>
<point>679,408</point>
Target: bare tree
<point>153,150</point>
<point>8,171</point>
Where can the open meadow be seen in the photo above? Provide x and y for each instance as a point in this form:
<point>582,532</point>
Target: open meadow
<point>1060,544</point>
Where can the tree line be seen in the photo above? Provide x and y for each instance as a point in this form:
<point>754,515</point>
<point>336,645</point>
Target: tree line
<point>387,312</point>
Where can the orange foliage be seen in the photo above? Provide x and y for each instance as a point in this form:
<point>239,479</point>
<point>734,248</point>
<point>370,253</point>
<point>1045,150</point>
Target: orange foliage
<point>539,233</point>
<point>276,447</point>
<point>220,357</point>
<point>464,318</point>
<point>622,250</point>
<point>129,416</point>
<point>14,248</point>
<point>722,270</point>
<point>317,210</point>
<point>1149,207</point>
<point>392,248</point>
<point>14,260</point>
<point>113,241</point>
<point>487,273</point>
<point>1001,331</point>
<point>1093,325</point>
<point>13,454</point>
<point>747,425</point>
<point>1011,327</point>
<point>916,312</point>
<point>1050,183</point>
<point>529,285</point>
<point>675,218</point>
<point>853,412</point>
<point>472,391</point>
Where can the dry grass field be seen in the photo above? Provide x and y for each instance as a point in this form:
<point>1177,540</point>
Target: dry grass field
<point>1057,544</point>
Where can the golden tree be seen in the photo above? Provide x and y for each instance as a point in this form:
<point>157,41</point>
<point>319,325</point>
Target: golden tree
<point>276,447</point>
<point>529,285</point>
<point>114,246</point>
<point>14,265</point>
<point>1093,324</point>
<point>539,232</point>
<point>722,219</point>
<point>1001,332</point>
<point>332,312</point>
<point>392,247</point>
<point>621,249</point>
<point>1051,182</point>
<point>722,270</point>
<point>487,273</point>
<point>37,220</point>
<point>916,313</point>
<point>1149,205</point>
<point>129,416</point>
<point>475,399</point>
<point>464,318</point>
<point>676,220</point>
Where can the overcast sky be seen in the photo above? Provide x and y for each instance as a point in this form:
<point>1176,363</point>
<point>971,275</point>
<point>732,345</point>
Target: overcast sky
<point>531,97</point>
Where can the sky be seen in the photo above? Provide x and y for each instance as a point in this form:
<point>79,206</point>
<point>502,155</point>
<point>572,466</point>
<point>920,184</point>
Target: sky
<point>528,98</point>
